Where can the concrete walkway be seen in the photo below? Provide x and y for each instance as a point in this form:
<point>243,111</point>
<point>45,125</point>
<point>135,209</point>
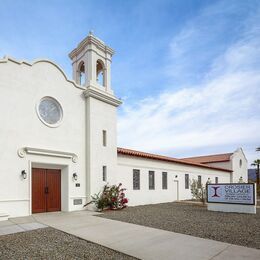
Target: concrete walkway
<point>17,225</point>
<point>142,242</point>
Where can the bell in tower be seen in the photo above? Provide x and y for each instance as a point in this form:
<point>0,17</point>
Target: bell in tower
<point>91,62</point>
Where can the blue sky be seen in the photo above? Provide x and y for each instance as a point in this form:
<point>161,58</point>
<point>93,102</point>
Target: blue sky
<point>187,71</point>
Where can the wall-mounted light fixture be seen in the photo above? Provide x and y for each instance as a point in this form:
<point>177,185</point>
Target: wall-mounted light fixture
<point>75,176</point>
<point>24,174</point>
<point>176,176</point>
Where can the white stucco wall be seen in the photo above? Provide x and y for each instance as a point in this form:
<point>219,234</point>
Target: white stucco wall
<point>234,165</point>
<point>100,116</point>
<point>21,88</point>
<point>224,165</point>
<point>239,170</point>
<point>87,111</point>
<point>126,164</point>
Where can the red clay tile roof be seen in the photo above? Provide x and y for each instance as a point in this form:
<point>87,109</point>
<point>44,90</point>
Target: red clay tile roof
<point>135,153</point>
<point>225,157</point>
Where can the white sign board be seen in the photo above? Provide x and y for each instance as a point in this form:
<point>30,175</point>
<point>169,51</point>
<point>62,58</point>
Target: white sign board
<point>234,193</point>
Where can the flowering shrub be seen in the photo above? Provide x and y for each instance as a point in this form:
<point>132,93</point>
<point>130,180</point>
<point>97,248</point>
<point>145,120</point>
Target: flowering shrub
<point>111,197</point>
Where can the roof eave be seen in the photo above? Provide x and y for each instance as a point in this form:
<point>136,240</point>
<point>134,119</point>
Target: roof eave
<point>147,156</point>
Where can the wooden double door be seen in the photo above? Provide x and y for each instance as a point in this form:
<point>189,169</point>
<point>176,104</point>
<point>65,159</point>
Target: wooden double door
<point>46,190</point>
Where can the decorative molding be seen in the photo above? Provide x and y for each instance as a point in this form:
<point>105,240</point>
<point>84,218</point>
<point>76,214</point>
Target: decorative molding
<point>37,151</point>
<point>90,50</point>
<point>14,200</point>
<point>90,39</point>
<point>102,96</point>
<point>7,59</point>
<point>3,214</point>
<point>21,153</point>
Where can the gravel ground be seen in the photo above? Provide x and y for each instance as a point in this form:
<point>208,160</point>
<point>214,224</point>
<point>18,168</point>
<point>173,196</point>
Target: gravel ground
<point>49,243</point>
<point>195,220</point>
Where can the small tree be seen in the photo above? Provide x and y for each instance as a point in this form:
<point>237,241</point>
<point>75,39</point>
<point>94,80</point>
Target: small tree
<point>256,163</point>
<point>198,191</point>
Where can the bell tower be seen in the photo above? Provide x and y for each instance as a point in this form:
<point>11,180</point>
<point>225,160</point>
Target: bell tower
<point>91,62</point>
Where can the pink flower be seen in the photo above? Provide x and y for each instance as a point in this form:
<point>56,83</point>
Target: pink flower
<point>125,200</point>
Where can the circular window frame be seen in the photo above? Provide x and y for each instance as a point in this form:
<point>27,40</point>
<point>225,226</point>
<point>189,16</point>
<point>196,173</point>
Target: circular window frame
<point>58,123</point>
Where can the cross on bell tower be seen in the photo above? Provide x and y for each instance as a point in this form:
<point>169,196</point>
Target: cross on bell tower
<point>91,62</point>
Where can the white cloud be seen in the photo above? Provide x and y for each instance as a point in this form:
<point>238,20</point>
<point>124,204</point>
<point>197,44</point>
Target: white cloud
<point>222,111</point>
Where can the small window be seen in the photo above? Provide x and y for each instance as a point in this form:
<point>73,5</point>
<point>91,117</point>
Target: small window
<point>151,180</point>
<point>136,179</point>
<point>104,137</point>
<point>216,179</point>
<point>240,163</point>
<point>164,181</point>
<point>187,180</point>
<point>104,173</point>
<point>199,181</point>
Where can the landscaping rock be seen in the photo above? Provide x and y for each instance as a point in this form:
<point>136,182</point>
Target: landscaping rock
<point>49,243</point>
<point>194,220</point>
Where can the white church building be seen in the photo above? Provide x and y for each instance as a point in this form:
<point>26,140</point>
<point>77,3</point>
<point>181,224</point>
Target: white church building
<point>59,141</point>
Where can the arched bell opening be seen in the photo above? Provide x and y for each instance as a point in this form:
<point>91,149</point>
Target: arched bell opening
<point>100,68</point>
<point>82,74</point>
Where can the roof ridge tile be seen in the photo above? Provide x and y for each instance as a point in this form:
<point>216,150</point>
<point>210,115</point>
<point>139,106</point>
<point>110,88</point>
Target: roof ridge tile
<point>136,153</point>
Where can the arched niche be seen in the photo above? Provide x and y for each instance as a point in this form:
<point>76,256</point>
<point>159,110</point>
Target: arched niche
<point>82,74</point>
<point>100,69</point>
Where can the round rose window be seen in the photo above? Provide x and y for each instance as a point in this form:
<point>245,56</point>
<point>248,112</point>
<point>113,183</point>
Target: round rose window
<point>50,111</point>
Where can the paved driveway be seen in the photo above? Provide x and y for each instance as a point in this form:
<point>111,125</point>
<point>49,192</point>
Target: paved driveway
<point>135,240</point>
<point>143,242</point>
